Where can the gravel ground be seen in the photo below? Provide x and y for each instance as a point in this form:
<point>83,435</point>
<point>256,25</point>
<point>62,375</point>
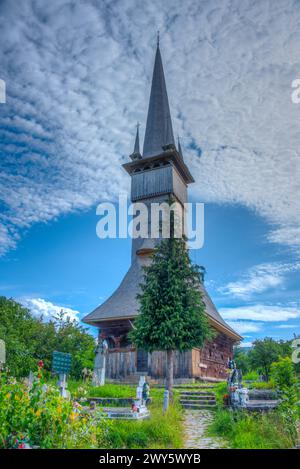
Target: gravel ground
<point>196,423</point>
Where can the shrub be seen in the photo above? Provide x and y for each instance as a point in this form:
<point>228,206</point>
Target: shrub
<point>29,339</point>
<point>262,385</point>
<point>43,418</point>
<point>251,376</point>
<point>284,376</point>
<point>220,391</point>
<point>283,373</point>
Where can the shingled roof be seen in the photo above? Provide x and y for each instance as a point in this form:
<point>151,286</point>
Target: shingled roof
<point>123,302</point>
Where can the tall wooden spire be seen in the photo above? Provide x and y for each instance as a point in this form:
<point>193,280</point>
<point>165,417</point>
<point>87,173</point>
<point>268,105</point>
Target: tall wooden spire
<point>159,130</point>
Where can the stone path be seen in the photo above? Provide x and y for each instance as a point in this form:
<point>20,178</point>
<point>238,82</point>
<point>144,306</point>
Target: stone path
<point>196,423</point>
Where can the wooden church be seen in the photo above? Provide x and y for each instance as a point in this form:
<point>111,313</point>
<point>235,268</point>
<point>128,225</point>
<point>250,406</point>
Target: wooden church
<point>156,173</point>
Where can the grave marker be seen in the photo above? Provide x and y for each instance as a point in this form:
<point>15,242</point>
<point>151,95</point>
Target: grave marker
<point>61,364</point>
<point>2,353</point>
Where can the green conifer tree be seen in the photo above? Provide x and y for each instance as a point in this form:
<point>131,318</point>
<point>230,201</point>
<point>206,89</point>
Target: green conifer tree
<point>172,313</point>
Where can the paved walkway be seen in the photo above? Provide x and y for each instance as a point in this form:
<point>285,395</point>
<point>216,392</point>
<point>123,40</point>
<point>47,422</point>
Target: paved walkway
<point>196,423</point>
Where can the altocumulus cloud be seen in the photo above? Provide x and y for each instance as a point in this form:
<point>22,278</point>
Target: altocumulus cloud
<point>40,307</point>
<point>260,278</point>
<point>76,76</point>
<point>245,326</point>
<point>263,313</point>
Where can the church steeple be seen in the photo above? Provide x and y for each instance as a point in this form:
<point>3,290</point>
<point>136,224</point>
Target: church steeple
<point>159,130</point>
<point>179,147</point>
<point>137,140</point>
<point>136,151</point>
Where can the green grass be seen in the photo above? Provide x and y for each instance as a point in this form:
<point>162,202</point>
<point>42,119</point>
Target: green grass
<point>159,431</point>
<point>219,390</point>
<point>262,385</point>
<point>249,431</point>
<point>112,390</point>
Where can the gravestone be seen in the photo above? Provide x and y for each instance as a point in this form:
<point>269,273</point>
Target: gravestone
<point>166,400</point>
<point>100,363</point>
<point>61,364</point>
<point>30,379</point>
<point>2,353</point>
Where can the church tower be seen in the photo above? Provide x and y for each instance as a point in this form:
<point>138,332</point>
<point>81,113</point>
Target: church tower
<point>159,172</point>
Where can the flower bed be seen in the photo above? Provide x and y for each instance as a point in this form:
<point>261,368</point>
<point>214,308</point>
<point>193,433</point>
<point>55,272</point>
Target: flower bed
<point>40,417</point>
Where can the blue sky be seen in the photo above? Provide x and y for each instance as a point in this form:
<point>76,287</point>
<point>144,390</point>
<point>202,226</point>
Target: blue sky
<point>78,78</point>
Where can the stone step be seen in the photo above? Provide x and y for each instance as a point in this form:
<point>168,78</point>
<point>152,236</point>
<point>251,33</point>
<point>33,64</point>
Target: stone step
<point>196,401</point>
<point>197,393</point>
<point>198,406</point>
<point>200,386</point>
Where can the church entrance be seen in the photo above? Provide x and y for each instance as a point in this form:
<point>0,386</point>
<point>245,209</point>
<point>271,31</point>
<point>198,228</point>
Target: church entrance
<point>141,361</point>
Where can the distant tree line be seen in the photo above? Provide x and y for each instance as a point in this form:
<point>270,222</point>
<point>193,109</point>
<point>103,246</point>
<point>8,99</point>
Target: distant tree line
<point>29,339</point>
<point>262,354</point>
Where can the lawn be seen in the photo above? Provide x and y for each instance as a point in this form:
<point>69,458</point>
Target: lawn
<point>248,431</point>
<point>159,431</point>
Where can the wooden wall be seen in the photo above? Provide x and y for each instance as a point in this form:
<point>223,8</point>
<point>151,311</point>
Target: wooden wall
<point>182,365</point>
<point>120,363</point>
<point>211,361</point>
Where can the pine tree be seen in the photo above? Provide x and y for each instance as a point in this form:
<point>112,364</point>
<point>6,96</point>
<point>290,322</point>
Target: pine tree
<point>172,313</point>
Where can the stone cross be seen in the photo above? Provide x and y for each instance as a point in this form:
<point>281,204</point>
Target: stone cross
<point>2,353</point>
<point>30,379</point>
<point>62,384</point>
<point>100,363</point>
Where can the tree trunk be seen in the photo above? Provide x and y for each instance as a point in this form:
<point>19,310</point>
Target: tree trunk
<point>170,372</point>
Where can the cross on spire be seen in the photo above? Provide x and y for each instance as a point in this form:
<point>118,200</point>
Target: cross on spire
<point>179,147</point>
<point>137,140</point>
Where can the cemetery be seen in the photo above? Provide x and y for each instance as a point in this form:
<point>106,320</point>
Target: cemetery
<point>48,409</point>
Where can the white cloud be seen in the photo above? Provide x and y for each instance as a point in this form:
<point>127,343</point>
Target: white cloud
<point>7,241</point>
<point>245,344</point>
<point>259,279</point>
<point>289,235</point>
<point>77,80</point>
<point>260,312</point>
<point>40,307</point>
<point>245,326</point>
<point>288,326</point>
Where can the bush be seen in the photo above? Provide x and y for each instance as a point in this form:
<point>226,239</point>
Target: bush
<point>284,376</point>
<point>262,385</point>
<point>251,376</point>
<point>220,391</point>
<point>43,418</point>
<point>29,339</point>
<point>159,431</point>
<point>283,373</point>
